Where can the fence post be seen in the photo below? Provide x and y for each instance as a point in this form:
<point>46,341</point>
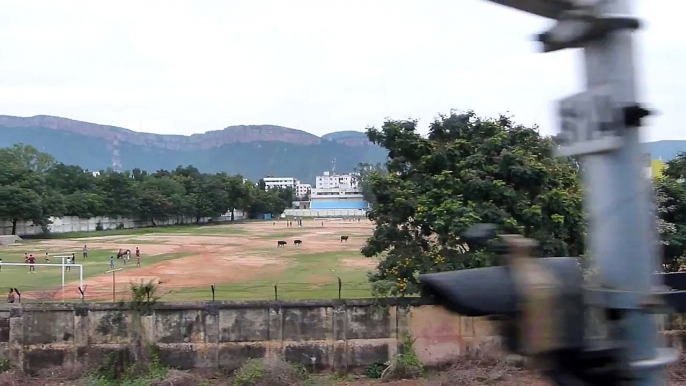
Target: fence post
<point>18,294</point>
<point>83,295</point>
<point>339,287</point>
<point>276,292</point>
<point>212,286</point>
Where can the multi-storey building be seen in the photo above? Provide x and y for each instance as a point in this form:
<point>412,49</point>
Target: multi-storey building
<point>337,191</point>
<point>280,182</point>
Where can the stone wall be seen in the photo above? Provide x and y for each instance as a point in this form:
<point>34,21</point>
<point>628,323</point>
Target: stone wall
<point>331,334</point>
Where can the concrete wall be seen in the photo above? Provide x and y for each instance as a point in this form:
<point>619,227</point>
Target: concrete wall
<point>338,334</point>
<point>76,224</point>
<point>325,213</point>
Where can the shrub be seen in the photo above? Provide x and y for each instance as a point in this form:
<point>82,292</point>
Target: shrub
<point>5,364</point>
<point>98,226</point>
<point>120,226</point>
<point>269,372</point>
<point>375,370</point>
<point>405,365</point>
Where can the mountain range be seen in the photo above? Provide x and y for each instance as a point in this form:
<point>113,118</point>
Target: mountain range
<point>255,151</point>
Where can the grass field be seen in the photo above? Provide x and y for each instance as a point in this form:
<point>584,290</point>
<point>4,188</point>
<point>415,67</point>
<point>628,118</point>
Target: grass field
<point>241,260</point>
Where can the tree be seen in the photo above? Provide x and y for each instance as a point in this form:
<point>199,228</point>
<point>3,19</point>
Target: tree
<point>20,204</point>
<point>157,198</point>
<point>365,171</point>
<point>119,194</point>
<point>468,170</point>
<point>27,157</point>
<point>25,194</point>
<point>670,197</point>
<point>238,194</point>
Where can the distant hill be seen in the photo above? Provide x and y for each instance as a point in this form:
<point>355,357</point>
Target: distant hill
<point>665,150</point>
<point>253,151</point>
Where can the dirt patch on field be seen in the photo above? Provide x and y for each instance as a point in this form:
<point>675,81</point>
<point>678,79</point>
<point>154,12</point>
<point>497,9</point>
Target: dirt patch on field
<point>233,258</point>
<point>359,263</point>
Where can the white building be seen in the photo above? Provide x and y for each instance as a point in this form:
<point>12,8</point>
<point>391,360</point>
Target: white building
<point>302,190</point>
<point>337,191</point>
<point>337,181</point>
<point>280,182</point>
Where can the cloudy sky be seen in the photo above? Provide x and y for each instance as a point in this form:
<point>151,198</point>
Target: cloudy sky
<point>320,66</point>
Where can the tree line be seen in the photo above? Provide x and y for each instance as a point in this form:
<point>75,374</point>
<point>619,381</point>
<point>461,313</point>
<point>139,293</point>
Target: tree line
<point>35,187</point>
<point>470,170</point>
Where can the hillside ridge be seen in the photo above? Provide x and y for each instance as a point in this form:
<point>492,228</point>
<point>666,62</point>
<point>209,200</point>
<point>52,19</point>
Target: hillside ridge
<point>197,141</point>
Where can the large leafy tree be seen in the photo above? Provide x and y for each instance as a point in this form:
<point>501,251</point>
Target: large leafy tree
<point>670,197</point>
<point>24,194</point>
<point>467,170</point>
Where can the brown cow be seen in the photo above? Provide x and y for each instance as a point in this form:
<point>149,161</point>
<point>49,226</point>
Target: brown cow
<point>280,243</point>
<point>344,238</point>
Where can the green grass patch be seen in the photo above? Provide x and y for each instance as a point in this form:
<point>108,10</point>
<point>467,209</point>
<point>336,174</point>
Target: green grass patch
<point>308,276</point>
<point>97,263</point>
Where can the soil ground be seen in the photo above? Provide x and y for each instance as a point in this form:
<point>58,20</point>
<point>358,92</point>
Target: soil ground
<point>242,260</point>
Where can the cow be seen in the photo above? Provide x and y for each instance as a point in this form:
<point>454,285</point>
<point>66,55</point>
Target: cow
<point>297,242</point>
<point>280,243</point>
<point>344,238</point>
<point>122,253</point>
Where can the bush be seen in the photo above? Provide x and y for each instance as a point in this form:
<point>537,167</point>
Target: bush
<point>405,365</point>
<point>269,372</point>
<point>98,226</point>
<point>375,370</point>
<point>120,226</point>
<point>5,364</point>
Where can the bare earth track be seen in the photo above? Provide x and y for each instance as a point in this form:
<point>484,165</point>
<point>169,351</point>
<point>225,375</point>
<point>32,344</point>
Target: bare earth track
<point>246,252</point>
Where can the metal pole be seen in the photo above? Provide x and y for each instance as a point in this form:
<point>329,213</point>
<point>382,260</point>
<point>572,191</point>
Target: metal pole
<point>114,287</point>
<point>62,279</point>
<point>621,235</point>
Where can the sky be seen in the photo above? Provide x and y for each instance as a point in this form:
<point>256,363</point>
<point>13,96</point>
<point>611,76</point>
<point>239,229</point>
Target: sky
<point>184,67</point>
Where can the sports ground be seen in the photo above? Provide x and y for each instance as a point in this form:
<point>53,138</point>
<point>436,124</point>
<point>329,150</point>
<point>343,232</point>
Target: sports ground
<point>241,260</point>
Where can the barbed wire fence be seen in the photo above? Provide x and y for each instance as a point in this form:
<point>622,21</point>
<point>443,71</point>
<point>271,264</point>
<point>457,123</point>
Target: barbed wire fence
<point>333,288</point>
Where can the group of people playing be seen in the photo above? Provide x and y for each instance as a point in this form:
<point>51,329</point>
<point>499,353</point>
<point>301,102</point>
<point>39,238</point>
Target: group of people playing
<point>126,256</point>
<point>70,260</point>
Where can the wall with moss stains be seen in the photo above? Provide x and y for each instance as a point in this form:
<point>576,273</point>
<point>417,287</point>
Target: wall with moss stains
<point>332,334</point>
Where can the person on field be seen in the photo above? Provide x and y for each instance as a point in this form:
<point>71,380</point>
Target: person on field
<point>0,264</point>
<point>138,260</point>
<point>69,262</point>
<point>85,251</point>
<point>31,260</point>
<point>138,252</point>
<point>112,262</point>
<point>47,258</point>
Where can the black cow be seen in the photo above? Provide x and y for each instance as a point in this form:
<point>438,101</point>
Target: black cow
<point>344,238</point>
<point>280,243</point>
<point>297,242</point>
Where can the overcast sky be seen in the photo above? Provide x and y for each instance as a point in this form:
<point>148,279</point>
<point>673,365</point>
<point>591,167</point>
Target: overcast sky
<point>320,66</point>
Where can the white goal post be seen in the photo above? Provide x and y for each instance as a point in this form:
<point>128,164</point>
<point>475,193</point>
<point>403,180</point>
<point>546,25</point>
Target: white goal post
<point>63,267</point>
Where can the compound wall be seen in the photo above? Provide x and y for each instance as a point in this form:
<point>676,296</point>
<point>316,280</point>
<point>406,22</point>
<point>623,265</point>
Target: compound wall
<point>323,213</point>
<point>333,334</point>
<point>76,224</point>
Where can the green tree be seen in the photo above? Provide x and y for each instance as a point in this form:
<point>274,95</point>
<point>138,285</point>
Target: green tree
<point>363,178</point>
<point>238,194</point>
<point>157,198</point>
<point>20,204</point>
<point>120,194</point>
<point>26,196</point>
<point>468,170</point>
<point>27,157</point>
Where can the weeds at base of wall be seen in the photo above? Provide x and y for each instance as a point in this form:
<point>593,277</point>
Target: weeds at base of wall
<point>406,364</point>
<point>270,372</point>
<point>5,364</point>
